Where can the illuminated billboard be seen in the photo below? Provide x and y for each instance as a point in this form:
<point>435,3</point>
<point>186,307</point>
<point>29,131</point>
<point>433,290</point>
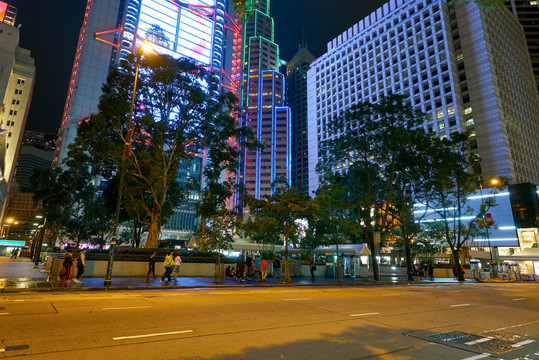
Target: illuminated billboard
<point>179,28</point>
<point>3,10</point>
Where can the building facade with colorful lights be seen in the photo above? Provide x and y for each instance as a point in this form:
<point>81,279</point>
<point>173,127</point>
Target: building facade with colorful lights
<point>262,100</point>
<point>201,30</point>
<point>17,75</point>
<point>296,99</point>
<point>467,69</point>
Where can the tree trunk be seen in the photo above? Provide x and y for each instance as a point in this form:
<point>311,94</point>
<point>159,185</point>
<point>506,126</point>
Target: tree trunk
<point>456,259</point>
<point>152,242</point>
<point>286,270</point>
<point>409,265</point>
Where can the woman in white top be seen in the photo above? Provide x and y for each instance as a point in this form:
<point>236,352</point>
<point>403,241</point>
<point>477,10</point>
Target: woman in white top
<point>177,262</point>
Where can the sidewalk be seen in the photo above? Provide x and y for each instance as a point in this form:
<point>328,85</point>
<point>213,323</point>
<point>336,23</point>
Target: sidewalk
<point>19,275</point>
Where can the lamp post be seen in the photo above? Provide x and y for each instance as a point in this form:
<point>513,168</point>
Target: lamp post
<point>146,46</point>
<point>39,241</point>
<point>493,266</point>
<point>5,227</point>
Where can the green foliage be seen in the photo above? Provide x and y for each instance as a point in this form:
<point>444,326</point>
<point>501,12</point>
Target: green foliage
<point>70,204</point>
<point>172,121</point>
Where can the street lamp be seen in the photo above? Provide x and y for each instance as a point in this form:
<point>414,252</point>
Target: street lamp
<point>144,47</point>
<point>493,266</point>
<point>5,227</point>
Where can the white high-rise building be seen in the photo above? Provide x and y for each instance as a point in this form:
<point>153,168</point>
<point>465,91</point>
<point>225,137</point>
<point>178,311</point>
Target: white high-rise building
<point>17,73</point>
<point>466,69</point>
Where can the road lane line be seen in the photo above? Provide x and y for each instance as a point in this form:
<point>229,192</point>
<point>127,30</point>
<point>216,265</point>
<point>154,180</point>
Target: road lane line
<point>151,335</point>
<point>482,356</point>
<point>297,299</point>
<point>127,308</point>
<point>522,343</point>
<point>457,305</point>
<point>519,299</point>
<point>365,314</point>
<point>478,341</point>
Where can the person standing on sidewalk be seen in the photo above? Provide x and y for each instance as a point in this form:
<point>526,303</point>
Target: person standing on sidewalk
<point>177,262</point>
<point>168,264</point>
<point>66,267</point>
<point>240,268</point>
<point>263,269</point>
<point>151,266</point>
<point>249,265</point>
<point>312,267</point>
<point>277,268</point>
<point>81,264</point>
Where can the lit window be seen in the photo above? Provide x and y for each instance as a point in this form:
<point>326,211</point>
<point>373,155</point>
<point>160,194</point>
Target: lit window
<point>439,114</point>
<point>460,57</point>
<point>471,133</point>
<point>441,125</point>
<point>468,110</point>
<point>450,110</point>
<point>469,122</point>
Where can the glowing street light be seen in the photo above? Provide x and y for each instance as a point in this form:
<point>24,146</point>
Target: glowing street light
<point>144,47</point>
<point>493,267</point>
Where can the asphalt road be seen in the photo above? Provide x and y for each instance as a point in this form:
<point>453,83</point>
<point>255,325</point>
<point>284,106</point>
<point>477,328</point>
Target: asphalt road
<point>469,321</point>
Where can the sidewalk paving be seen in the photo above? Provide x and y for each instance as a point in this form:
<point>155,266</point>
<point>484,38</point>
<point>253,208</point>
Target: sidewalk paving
<point>19,275</point>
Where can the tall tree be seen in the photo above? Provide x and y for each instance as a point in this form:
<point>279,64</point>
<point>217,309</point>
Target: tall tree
<point>170,125</point>
<point>282,212</point>
<point>368,145</point>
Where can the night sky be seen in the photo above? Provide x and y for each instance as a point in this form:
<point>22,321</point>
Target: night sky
<point>50,30</point>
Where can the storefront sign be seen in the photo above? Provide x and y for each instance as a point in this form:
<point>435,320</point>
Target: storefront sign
<point>11,243</point>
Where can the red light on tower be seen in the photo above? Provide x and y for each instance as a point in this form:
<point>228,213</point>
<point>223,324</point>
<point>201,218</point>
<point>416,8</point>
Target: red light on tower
<point>3,10</point>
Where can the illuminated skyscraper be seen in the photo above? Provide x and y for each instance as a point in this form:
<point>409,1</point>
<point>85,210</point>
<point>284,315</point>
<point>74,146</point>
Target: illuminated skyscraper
<point>467,69</point>
<point>113,29</point>
<point>296,99</point>
<point>17,73</point>
<point>262,100</point>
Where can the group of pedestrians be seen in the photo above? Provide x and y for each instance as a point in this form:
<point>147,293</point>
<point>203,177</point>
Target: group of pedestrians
<point>67,267</point>
<point>248,269</point>
<point>172,267</point>
<point>422,271</point>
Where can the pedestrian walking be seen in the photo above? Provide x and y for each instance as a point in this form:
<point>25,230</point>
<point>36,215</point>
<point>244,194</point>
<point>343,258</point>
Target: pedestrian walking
<point>454,272</point>
<point>177,262</point>
<point>81,264</point>
<point>151,266</point>
<point>249,265</point>
<point>277,268</point>
<point>168,264</point>
<point>263,269</point>
<point>14,253</point>
<point>240,268</point>
<point>312,267</point>
<point>431,272</point>
<point>66,267</point>
<point>257,266</point>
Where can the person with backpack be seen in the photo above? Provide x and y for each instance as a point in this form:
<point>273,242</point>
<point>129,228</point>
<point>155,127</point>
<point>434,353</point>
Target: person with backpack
<point>168,264</point>
<point>66,267</point>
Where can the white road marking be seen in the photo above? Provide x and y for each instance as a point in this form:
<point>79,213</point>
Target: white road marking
<point>457,305</point>
<point>127,308</point>
<point>514,326</point>
<point>522,343</point>
<point>484,355</point>
<point>478,341</point>
<point>151,335</point>
<point>4,313</point>
<point>297,299</point>
<point>365,314</point>
<point>519,299</point>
